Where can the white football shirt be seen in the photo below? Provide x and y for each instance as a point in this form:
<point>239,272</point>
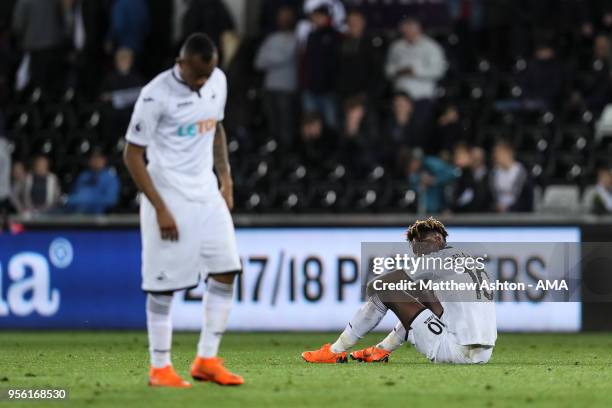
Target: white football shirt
<point>177,126</point>
<point>470,314</point>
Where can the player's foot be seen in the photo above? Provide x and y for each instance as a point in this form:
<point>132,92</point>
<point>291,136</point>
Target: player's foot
<point>371,355</point>
<point>324,355</point>
<point>211,369</point>
<point>166,377</point>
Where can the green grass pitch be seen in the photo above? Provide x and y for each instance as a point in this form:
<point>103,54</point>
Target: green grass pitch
<point>108,369</point>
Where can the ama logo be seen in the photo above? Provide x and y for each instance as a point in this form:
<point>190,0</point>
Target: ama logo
<point>29,286</point>
<point>197,128</point>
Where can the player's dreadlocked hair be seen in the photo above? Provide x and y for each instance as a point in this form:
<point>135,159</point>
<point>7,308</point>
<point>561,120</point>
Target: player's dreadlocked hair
<point>422,227</point>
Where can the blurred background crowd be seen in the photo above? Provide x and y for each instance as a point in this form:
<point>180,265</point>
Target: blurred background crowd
<point>426,106</point>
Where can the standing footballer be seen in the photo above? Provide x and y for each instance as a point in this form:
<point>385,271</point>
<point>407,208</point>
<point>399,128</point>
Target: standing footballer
<point>186,227</point>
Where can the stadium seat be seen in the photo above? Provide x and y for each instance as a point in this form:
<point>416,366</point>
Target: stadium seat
<point>19,145</point>
<point>576,139</point>
<point>23,118</point>
<point>365,197</point>
<point>327,197</point>
<point>47,143</point>
<point>565,168</point>
<point>534,139</point>
<point>60,117</point>
<point>561,199</point>
<point>289,197</point>
<point>403,199</point>
<point>90,116</point>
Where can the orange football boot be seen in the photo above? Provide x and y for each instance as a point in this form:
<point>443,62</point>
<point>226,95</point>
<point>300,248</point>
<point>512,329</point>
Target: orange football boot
<point>211,369</point>
<point>166,377</point>
<point>371,355</point>
<point>324,355</point>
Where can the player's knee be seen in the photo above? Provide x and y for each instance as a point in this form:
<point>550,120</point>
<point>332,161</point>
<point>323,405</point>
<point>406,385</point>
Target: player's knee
<point>227,277</point>
<point>159,303</point>
<point>370,290</point>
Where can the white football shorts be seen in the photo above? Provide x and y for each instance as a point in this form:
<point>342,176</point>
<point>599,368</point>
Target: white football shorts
<point>430,337</point>
<point>206,244</point>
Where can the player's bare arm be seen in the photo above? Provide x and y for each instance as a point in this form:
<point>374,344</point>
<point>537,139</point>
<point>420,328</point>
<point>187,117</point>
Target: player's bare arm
<point>222,166</point>
<point>133,157</point>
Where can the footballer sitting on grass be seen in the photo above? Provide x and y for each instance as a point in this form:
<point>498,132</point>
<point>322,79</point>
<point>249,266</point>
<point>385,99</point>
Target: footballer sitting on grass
<point>459,332</point>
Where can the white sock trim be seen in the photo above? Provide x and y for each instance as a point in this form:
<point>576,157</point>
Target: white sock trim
<point>159,329</point>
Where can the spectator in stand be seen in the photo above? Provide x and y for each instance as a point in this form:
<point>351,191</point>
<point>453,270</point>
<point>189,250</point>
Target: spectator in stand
<point>18,179</point>
<point>158,55</point>
<point>448,131</point>
<point>337,13</point>
<point>429,176</point>
<point>415,63</point>
<point>400,128</point>
<point>479,164</point>
<point>179,10</point>
<point>595,90</point>
<point>212,18</point>
<point>268,21</point>
<point>319,67</point>
<point>129,26</point>
<point>123,84</point>
<point>5,175</point>
<point>510,183</point>
<point>120,90</point>
<point>467,16</point>
<point>355,143</point>
<point>602,199</point>
<point>544,79</point>
<point>470,193</point>
<point>317,140</point>
<point>88,22</point>
<point>356,70</point>
<point>96,190</point>
<point>41,190</point>
<point>40,27</point>
<point>277,57</point>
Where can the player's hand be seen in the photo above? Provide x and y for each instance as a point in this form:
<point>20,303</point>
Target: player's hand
<point>227,192</point>
<point>167,225</point>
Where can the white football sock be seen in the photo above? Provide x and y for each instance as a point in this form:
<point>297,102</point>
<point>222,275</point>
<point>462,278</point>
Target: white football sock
<point>395,339</point>
<point>366,318</point>
<point>159,328</point>
<point>217,304</point>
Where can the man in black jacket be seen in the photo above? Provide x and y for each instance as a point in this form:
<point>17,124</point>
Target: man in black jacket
<point>359,62</point>
<point>319,67</point>
<point>471,190</point>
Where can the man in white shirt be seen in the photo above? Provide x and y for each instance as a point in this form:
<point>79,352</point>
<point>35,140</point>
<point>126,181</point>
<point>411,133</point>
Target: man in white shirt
<point>415,63</point>
<point>444,327</point>
<point>187,230</point>
<point>511,185</point>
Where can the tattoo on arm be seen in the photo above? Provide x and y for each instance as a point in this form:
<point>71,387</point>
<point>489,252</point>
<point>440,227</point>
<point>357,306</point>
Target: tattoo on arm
<point>220,154</point>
